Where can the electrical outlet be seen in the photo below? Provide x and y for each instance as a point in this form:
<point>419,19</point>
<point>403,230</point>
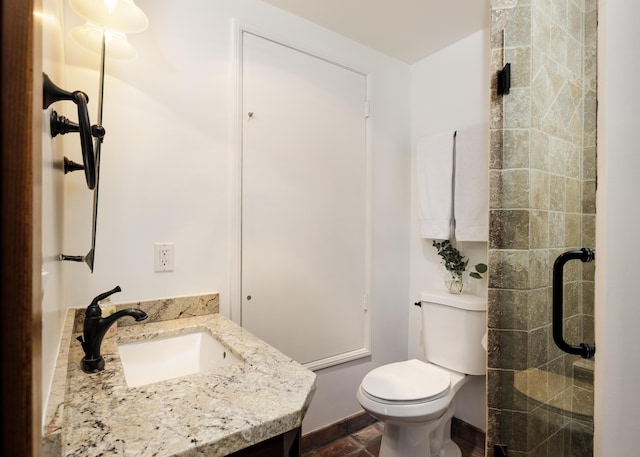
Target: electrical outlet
<point>163,257</point>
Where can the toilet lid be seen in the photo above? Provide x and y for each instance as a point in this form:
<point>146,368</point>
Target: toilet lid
<point>411,380</point>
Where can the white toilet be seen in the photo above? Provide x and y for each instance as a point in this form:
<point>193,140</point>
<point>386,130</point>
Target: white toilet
<point>415,399</point>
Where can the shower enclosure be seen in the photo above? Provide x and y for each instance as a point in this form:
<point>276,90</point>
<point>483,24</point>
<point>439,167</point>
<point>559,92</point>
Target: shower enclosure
<point>542,204</point>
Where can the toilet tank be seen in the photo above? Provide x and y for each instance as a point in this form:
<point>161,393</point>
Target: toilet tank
<point>453,327</point>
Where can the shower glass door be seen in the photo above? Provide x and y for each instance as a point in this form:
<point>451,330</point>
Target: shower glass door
<point>543,175</point>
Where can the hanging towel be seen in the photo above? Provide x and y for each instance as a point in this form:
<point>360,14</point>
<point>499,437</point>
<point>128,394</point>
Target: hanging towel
<point>472,183</point>
<point>434,165</point>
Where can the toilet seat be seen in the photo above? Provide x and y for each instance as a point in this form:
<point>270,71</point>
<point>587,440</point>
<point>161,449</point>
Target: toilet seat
<point>407,382</point>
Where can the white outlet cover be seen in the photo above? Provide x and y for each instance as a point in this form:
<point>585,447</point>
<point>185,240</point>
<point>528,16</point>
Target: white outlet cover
<point>163,256</point>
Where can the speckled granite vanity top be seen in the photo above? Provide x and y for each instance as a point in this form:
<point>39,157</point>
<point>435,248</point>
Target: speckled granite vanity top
<point>205,414</point>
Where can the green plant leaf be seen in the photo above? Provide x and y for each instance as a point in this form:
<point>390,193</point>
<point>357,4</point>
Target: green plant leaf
<point>455,262</point>
<point>452,259</point>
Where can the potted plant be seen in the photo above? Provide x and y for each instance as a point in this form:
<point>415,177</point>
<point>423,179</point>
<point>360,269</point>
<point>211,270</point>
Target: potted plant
<point>456,264</point>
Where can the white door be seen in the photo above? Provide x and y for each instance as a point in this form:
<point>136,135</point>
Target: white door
<point>304,204</point>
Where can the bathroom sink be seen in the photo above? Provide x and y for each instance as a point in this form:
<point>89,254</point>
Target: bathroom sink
<point>159,359</point>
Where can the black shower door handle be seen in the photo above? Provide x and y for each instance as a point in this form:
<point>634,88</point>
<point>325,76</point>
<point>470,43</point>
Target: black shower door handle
<point>584,255</point>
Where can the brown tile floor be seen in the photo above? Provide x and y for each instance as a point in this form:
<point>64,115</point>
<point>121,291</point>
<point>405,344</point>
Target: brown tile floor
<point>366,443</point>
<point>363,443</point>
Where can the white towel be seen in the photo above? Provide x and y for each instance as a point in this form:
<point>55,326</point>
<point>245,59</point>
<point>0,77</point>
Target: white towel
<point>472,183</point>
<point>434,165</point>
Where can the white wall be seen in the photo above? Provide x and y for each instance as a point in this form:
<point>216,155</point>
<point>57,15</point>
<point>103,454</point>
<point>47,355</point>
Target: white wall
<point>168,160</point>
<point>617,403</point>
<point>53,306</point>
<point>449,90</point>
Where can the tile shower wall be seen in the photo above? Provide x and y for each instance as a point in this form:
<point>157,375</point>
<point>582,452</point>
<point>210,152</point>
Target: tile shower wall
<point>542,203</point>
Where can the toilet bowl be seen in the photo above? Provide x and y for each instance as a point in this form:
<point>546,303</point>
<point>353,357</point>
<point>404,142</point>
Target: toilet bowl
<point>416,399</point>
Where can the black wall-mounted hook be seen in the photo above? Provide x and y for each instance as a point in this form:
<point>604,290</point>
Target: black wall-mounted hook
<point>61,125</point>
<point>504,80</point>
<point>88,259</point>
<point>70,165</point>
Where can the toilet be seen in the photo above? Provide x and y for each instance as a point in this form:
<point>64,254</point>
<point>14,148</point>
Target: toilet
<point>416,399</point>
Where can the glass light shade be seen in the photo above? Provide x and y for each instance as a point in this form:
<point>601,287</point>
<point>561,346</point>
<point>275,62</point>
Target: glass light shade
<point>116,15</point>
<point>89,36</point>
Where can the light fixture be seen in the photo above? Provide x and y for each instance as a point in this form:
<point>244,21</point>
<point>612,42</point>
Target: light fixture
<point>115,15</point>
<point>104,33</point>
<point>89,36</point>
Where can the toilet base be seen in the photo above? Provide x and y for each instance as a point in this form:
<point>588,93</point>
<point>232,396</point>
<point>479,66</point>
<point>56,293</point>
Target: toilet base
<point>400,448</point>
<point>451,449</point>
<point>431,439</point>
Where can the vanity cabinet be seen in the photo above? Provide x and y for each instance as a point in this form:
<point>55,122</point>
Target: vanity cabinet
<point>284,445</point>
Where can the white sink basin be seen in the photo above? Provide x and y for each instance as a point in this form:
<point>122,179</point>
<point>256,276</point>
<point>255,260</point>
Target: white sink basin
<point>146,362</point>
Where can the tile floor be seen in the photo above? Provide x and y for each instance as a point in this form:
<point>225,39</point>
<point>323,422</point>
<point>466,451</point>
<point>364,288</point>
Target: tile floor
<point>366,443</point>
<point>361,443</point>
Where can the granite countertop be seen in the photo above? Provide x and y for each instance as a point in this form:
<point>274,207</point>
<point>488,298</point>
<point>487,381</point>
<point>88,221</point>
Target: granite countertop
<point>213,413</point>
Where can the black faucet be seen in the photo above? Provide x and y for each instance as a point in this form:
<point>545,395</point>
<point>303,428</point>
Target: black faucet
<point>96,326</point>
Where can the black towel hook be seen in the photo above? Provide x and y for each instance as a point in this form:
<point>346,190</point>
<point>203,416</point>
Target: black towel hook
<point>61,125</point>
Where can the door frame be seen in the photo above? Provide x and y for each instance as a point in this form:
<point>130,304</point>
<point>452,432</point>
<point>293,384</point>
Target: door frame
<point>21,234</point>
